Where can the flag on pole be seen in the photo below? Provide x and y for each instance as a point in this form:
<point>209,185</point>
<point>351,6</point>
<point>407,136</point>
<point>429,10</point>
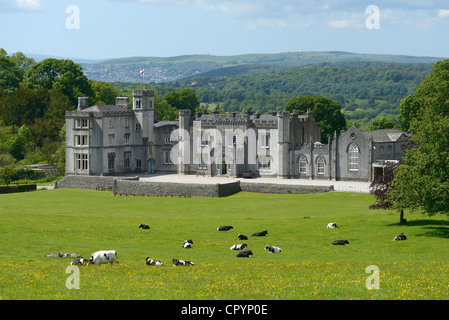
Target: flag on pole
<point>142,73</point>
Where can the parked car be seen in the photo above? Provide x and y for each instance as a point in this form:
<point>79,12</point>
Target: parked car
<point>248,174</point>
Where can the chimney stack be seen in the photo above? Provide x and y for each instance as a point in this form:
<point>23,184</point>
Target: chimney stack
<point>122,102</point>
<point>83,103</point>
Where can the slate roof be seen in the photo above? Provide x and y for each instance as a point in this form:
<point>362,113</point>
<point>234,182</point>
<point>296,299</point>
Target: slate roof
<point>384,135</point>
<point>105,108</point>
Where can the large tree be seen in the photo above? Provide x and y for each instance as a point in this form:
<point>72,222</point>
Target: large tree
<point>325,111</point>
<point>62,75</point>
<point>422,181</point>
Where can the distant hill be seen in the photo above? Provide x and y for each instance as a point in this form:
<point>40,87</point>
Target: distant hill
<point>166,69</point>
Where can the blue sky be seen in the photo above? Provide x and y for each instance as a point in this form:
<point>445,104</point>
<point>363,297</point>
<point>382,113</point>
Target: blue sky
<point>164,28</point>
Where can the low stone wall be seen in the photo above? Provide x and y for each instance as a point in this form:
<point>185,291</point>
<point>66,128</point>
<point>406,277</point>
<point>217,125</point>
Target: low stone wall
<point>283,188</point>
<point>124,187</point>
<point>132,186</point>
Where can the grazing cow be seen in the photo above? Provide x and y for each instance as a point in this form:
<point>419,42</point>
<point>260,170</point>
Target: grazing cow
<point>244,254</point>
<point>188,244</point>
<point>260,234</point>
<point>273,249</point>
<point>79,262</point>
<point>239,246</point>
<point>225,228</point>
<point>103,257</point>
<point>144,226</point>
<point>400,237</point>
<point>177,262</point>
<point>152,262</point>
<point>332,225</point>
<point>340,242</point>
<point>242,237</point>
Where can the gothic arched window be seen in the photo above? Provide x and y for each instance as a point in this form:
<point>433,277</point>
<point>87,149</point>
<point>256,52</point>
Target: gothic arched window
<point>353,153</point>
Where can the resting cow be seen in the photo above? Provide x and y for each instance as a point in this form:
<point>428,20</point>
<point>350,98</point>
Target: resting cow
<point>103,257</point>
<point>239,246</point>
<point>152,262</point>
<point>188,244</point>
<point>177,262</point>
<point>340,242</point>
<point>144,226</point>
<point>260,234</point>
<point>79,262</point>
<point>332,225</point>
<point>400,237</point>
<point>244,254</point>
<point>273,249</point>
<point>242,237</point>
<point>225,228</point>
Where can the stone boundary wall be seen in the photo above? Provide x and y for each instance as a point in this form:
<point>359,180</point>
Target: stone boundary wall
<point>283,188</point>
<point>132,186</point>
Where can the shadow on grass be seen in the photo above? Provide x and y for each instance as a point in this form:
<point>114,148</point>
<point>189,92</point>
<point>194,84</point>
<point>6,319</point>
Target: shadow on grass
<point>431,228</point>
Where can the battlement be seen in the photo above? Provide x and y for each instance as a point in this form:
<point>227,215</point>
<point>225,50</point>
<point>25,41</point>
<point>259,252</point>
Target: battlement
<point>147,93</point>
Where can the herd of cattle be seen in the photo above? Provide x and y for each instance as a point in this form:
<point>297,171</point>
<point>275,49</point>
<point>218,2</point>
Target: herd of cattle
<point>110,256</point>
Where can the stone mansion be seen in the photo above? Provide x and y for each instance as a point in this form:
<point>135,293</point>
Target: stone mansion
<point>121,139</point>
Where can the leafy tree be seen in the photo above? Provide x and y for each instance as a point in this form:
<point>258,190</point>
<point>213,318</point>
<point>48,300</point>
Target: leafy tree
<point>19,141</point>
<point>165,112</point>
<point>10,74</point>
<point>325,111</point>
<point>382,123</point>
<point>104,93</point>
<point>63,75</point>
<point>23,106</point>
<point>433,92</point>
<point>182,99</point>
<point>422,181</point>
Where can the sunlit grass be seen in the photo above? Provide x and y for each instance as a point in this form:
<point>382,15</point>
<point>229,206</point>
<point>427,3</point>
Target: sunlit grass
<point>81,221</point>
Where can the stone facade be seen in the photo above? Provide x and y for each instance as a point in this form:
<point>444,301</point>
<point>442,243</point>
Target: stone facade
<point>119,139</point>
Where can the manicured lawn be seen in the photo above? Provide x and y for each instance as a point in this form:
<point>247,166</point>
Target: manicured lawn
<point>35,224</point>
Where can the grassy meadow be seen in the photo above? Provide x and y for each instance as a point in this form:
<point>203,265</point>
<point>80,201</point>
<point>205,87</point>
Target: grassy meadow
<point>38,223</point>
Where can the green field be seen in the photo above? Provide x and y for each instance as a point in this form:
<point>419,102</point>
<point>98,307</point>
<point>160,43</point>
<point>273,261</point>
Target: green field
<point>35,224</point>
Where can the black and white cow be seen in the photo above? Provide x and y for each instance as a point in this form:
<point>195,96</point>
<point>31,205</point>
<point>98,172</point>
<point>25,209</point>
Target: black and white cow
<point>144,226</point>
<point>239,246</point>
<point>400,237</point>
<point>340,242</point>
<point>152,262</point>
<point>260,234</point>
<point>245,254</point>
<point>188,244</point>
<point>104,256</point>
<point>177,262</point>
<point>273,249</point>
<point>79,262</point>
<point>332,225</point>
<point>225,228</point>
<point>242,237</point>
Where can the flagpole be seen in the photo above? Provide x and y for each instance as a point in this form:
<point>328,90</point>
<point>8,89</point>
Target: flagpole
<point>142,72</point>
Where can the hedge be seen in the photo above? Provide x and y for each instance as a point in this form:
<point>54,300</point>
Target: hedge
<point>17,188</point>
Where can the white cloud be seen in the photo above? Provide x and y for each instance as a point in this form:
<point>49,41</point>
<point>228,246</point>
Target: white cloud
<point>242,9</point>
<point>31,5</point>
<point>339,24</point>
<point>443,13</point>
